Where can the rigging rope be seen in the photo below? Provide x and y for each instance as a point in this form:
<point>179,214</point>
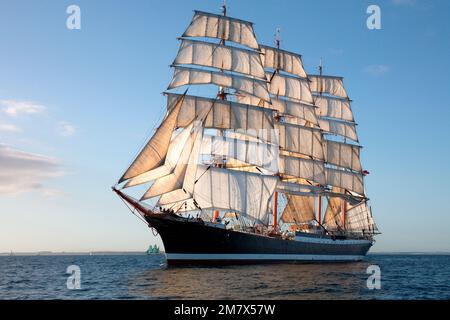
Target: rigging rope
<point>133,211</point>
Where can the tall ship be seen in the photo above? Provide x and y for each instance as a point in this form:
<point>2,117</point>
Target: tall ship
<point>260,165</point>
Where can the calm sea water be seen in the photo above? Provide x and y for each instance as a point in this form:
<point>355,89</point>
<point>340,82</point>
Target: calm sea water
<point>147,277</point>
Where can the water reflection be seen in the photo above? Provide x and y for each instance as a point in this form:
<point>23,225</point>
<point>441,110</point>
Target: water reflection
<point>281,281</point>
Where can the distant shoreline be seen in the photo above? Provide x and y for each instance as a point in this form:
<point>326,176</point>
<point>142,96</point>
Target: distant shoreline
<point>137,253</point>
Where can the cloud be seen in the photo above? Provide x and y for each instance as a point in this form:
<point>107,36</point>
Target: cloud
<point>6,127</point>
<point>377,69</point>
<point>65,129</point>
<point>15,108</point>
<point>23,172</point>
<point>404,2</point>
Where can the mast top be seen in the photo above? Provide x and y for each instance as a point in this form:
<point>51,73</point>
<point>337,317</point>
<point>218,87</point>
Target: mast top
<point>278,38</point>
<point>224,8</point>
<point>321,67</point>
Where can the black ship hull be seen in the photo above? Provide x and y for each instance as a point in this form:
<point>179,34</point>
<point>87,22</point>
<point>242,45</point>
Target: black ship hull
<point>190,241</point>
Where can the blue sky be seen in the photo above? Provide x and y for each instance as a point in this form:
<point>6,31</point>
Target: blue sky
<point>76,105</point>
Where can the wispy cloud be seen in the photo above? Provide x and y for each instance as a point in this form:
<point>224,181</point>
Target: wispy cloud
<point>377,69</point>
<point>15,108</point>
<point>66,129</point>
<point>23,172</point>
<point>6,127</point>
<point>404,2</point>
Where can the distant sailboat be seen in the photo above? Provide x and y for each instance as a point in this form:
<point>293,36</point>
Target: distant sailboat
<point>153,249</point>
<point>241,177</point>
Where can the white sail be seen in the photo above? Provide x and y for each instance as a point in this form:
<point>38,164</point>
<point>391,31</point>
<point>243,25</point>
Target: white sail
<point>303,168</point>
<point>289,87</point>
<point>173,156</point>
<point>359,219</point>
<point>285,107</point>
<point>344,129</point>
<point>154,152</point>
<point>222,114</point>
<point>333,217</point>
<point>345,180</point>
<point>243,192</point>
<point>258,154</point>
<point>303,140</point>
<point>173,197</point>
<point>174,180</point>
<point>343,155</point>
<point>298,210</point>
<point>221,57</point>
<point>334,108</point>
<point>278,59</point>
<point>185,192</point>
<point>328,85</point>
<point>220,27</point>
<point>190,76</point>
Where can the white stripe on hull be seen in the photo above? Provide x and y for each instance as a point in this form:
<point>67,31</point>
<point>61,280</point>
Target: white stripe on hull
<point>262,257</point>
<point>331,241</point>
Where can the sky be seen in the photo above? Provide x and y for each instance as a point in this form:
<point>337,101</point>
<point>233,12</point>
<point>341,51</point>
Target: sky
<point>76,106</point>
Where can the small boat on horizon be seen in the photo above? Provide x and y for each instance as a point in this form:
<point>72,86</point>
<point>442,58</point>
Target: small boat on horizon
<point>153,249</point>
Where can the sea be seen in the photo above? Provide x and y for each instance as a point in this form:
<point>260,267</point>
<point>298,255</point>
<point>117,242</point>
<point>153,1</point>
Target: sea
<point>131,276</point>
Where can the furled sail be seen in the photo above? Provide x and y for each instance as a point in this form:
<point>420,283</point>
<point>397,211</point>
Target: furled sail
<point>298,210</point>
<point>343,155</point>
<point>300,139</point>
<point>328,85</point>
<point>337,108</point>
<point>289,87</point>
<point>221,27</point>
<point>344,129</point>
<point>303,168</point>
<point>278,59</point>
<point>299,189</point>
<point>153,154</point>
<point>221,57</point>
<point>243,192</point>
<point>191,76</point>
<point>346,180</point>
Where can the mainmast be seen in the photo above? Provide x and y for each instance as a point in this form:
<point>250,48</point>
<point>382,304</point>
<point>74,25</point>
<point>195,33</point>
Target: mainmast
<point>222,95</point>
<point>275,195</point>
<point>224,8</point>
<point>319,198</point>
